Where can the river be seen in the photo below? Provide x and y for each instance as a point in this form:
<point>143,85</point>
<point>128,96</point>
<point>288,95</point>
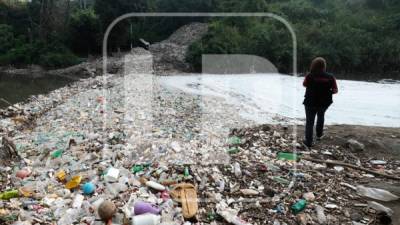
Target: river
<point>258,96</point>
<point>18,89</point>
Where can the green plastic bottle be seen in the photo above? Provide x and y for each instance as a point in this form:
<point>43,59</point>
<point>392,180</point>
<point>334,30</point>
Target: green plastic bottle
<point>235,140</point>
<point>186,172</point>
<point>9,194</point>
<point>288,156</point>
<point>57,153</point>
<point>137,168</point>
<point>233,150</point>
<point>281,180</point>
<point>299,206</point>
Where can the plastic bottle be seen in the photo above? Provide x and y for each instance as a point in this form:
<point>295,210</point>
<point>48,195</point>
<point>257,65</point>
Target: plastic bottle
<point>186,172</point>
<point>155,185</point>
<point>377,194</point>
<point>146,219</point>
<point>281,180</point>
<point>299,206</point>
<point>9,194</point>
<point>288,156</point>
<point>221,186</point>
<point>145,207</point>
<point>320,215</point>
<point>74,182</point>
<point>233,150</point>
<point>237,170</point>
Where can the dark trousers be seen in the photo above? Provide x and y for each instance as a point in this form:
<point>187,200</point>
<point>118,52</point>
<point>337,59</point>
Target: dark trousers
<point>311,112</point>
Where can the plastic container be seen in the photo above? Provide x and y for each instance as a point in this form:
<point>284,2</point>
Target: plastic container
<point>146,219</point>
<point>112,175</point>
<point>145,207</point>
<point>74,182</point>
<point>233,150</point>
<point>234,140</point>
<point>137,168</point>
<point>61,175</point>
<point>299,206</point>
<point>88,188</point>
<point>9,195</point>
<point>281,180</point>
<point>237,170</point>
<point>288,156</point>
<point>155,185</point>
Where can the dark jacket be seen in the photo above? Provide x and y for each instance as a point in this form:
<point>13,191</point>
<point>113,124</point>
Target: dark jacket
<point>319,89</point>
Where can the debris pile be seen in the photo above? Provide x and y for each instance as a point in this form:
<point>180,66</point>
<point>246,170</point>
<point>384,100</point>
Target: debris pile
<point>169,55</point>
<point>91,158</point>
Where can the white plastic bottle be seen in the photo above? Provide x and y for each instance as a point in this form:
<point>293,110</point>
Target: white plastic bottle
<point>146,219</point>
<point>237,170</point>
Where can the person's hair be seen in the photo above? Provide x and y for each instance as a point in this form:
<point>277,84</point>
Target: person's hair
<point>318,65</point>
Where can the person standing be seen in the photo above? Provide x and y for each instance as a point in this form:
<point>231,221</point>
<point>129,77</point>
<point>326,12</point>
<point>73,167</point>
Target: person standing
<point>320,86</point>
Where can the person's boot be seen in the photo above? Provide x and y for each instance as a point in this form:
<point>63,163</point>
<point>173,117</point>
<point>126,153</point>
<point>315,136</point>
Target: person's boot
<point>319,138</point>
<point>306,145</point>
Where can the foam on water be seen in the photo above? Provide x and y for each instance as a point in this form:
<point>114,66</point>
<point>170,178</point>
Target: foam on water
<point>261,97</point>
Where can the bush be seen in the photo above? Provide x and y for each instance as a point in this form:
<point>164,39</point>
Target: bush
<point>52,60</point>
<point>49,56</point>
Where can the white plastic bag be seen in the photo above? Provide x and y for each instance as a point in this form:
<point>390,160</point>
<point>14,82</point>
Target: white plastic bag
<point>377,194</point>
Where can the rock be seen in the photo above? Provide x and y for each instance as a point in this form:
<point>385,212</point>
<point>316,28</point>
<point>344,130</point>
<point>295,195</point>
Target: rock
<point>355,145</point>
<point>302,219</point>
<point>355,216</point>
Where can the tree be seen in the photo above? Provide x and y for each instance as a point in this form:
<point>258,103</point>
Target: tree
<point>84,31</point>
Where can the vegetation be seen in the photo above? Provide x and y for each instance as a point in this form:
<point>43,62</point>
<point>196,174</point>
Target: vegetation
<point>356,36</point>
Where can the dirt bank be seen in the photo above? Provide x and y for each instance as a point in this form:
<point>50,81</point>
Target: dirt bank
<point>380,142</point>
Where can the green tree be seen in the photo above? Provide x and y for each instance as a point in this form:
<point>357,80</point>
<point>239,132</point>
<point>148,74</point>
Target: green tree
<point>85,31</point>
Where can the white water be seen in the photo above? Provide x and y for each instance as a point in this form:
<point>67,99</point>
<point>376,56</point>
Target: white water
<point>261,96</point>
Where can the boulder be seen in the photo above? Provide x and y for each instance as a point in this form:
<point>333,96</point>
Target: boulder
<point>355,145</point>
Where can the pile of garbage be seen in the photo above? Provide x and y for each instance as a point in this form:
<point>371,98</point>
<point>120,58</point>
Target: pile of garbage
<point>97,152</point>
<point>170,54</point>
<point>264,183</point>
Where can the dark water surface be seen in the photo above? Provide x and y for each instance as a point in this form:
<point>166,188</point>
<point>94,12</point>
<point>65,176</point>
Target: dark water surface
<point>18,89</point>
